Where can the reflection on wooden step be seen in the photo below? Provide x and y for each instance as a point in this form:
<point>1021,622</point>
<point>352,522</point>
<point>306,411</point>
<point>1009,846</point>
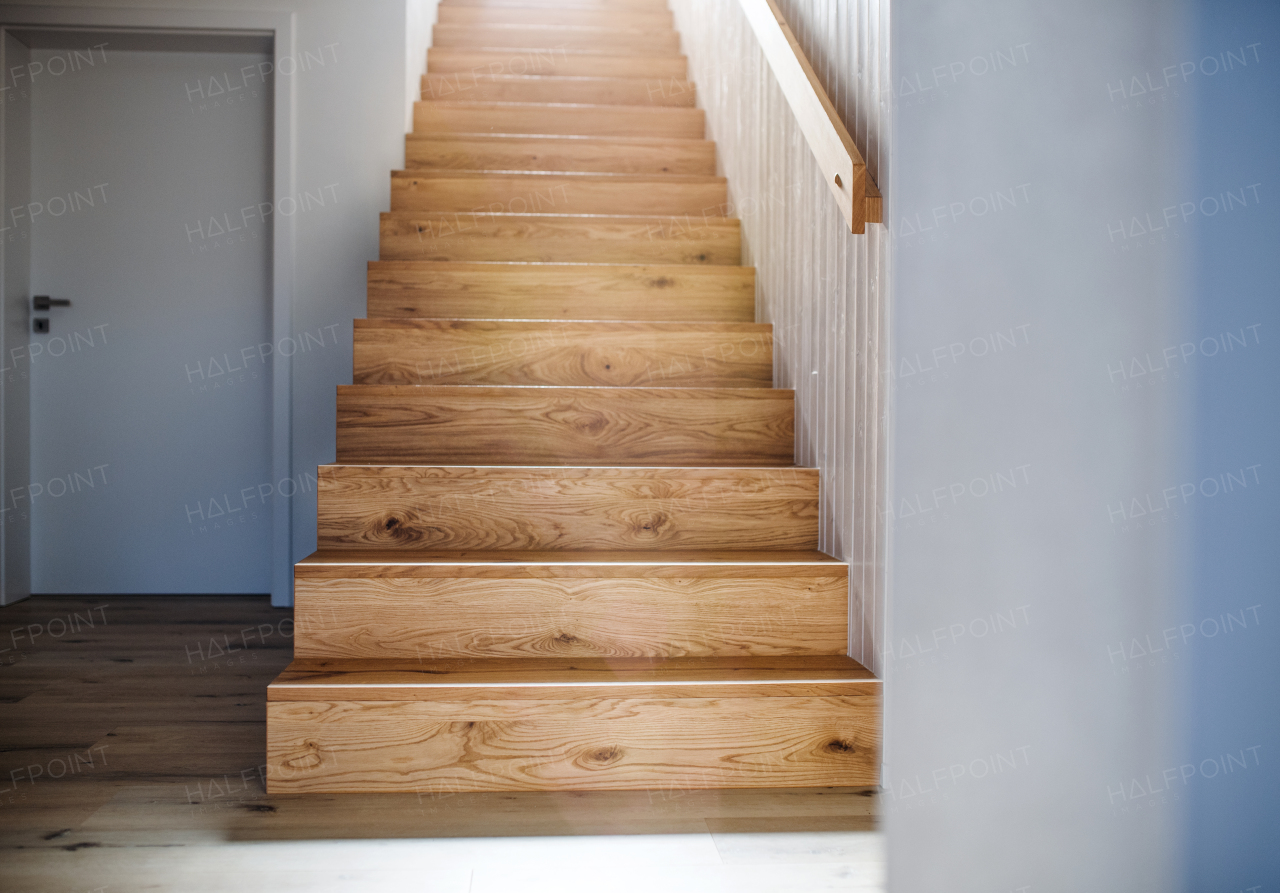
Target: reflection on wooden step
<point>546,238</point>
<point>702,293</point>
<point>632,194</point>
<point>618,155</point>
<point>583,725</point>
<point>479,86</point>
<point>504,509</point>
<point>434,611</point>
<point>653,18</point>
<point>594,64</point>
<point>457,116</point>
<point>626,41</point>
<point>566,354</point>
<point>566,426</point>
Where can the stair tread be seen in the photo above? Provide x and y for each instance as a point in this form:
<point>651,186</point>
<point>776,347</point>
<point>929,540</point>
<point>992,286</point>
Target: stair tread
<point>534,27</point>
<point>609,176</point>
<point>323,558</point>
<point>699,221</point>
<point>569,325</point>
<point>466,266</point>
<point>500,104</point>
<point>513,137</point>
<point>568,79</point>
<point>522,390</point>
<point>701,677</point>
<point>566,60</point>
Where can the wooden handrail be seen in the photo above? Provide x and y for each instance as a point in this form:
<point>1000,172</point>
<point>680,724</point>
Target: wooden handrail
<point>841,162</point>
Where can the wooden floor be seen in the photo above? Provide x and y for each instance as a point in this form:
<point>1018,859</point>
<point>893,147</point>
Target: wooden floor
<point>142,720</point>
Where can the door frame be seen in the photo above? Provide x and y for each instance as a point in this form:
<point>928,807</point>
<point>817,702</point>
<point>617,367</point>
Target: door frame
<point>282,28</point>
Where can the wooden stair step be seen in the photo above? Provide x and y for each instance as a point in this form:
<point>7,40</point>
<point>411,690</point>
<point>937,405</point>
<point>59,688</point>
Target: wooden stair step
<point>695,293</point>
<point>547,238</point>
<point>460,116</point>
<point>558,38</point>
<point>557,4</point>
<point>566,354</point>
<point>512,509</point>
<point>578,724</point>
<point>569,605</point>
<point>558,193</point>
<point>555,62</point>
<point>566,547</point>
<point>566,426</point>
<point>483,87</point>
<point>644,19</point>
<point>540,152</point>
<point>540,678</point>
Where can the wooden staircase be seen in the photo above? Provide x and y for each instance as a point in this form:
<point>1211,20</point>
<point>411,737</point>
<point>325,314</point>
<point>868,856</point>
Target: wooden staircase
<point>565,545</point>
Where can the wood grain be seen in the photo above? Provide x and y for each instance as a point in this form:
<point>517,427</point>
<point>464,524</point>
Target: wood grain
<point>873,204</point>
<point>523,610</point>
<point>658,511</point>
<point>480,86</point>
<point>335,564</point>
<point>172,789</point>
<point>578,744</point>
<point>538,678</point>
<point>458,116</point>
<point>617,155</point>
<point>559,193</point>
<point>701,293</point>
<point>629,41</point>
<point>554,62</point>
<point>595,354</point>
<point>644,19</point>
<point>565,426</point>
<point>538,238</point>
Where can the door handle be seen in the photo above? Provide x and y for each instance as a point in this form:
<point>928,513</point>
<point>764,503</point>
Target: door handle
<point>44,302</point>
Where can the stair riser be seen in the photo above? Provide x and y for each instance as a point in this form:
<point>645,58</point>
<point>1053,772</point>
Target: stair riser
<point>565,426</point>
<point>554,194</point>
<point>595,40</point>
<point>653,20</point>
<point>587,155</point>
<point>459,60</point>
<point>467,237</point>
<point>523,291</point>
<point>563,355</point>
<point>589,509</point>
<point>483,87</point>
<point>530,614</point>
<point>445,117</point>
<point>580,744</point>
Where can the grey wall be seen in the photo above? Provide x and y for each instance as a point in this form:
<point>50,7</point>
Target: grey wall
<point>1016,724</point>
<point>15,448</point>
<point>821,287</point>
<point>1231,656</point>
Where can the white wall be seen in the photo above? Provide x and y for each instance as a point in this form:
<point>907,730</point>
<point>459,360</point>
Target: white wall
<point>1014,734</point>
<point>821,287</point>
<point>420,15</point>
<point>350,114</point>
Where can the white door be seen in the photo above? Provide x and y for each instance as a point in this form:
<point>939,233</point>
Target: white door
<point>150,212</point>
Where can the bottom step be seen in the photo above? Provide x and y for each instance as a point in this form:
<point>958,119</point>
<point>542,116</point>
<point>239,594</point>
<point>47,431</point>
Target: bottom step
<point>542,724</point>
